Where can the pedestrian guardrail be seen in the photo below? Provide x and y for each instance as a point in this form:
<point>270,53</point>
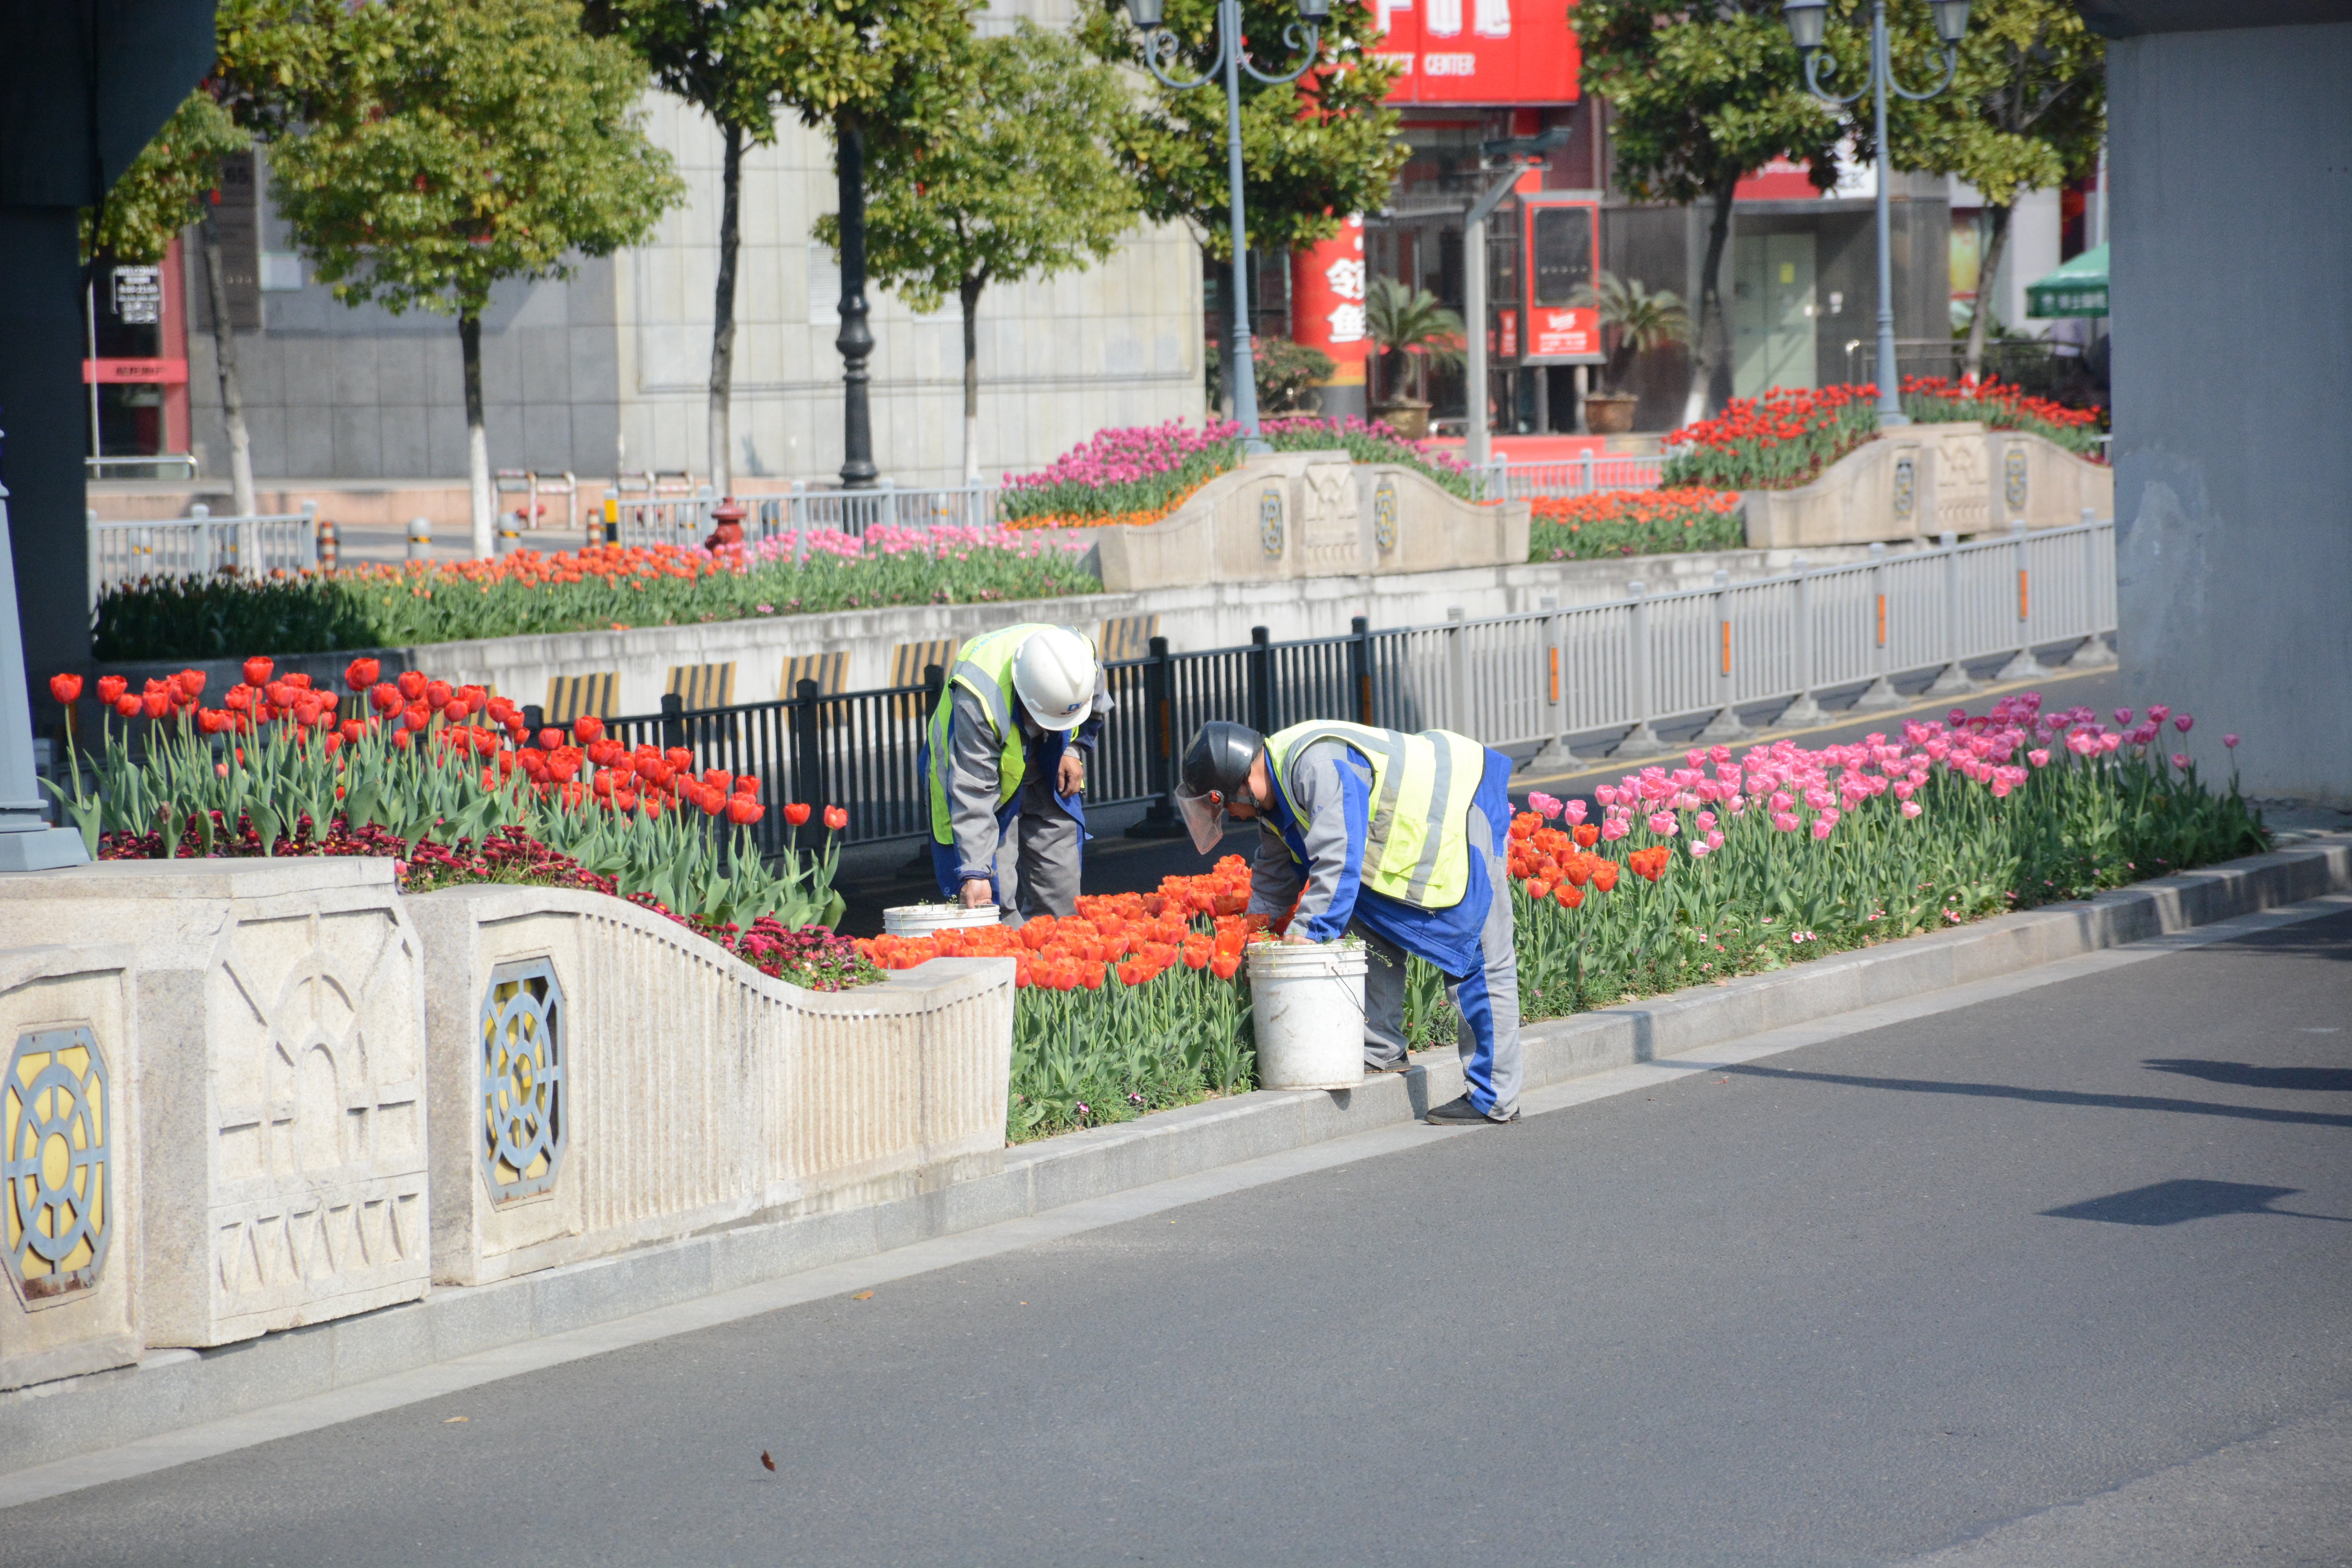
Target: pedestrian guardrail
<point>1601,677</point>
<point>684,520</point>
<point>200,546</point>
<point>1579,476</point>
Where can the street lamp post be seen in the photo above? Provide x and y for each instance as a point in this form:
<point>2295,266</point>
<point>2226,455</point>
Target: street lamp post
<point>1159,50</point>
<point>1807,21</point>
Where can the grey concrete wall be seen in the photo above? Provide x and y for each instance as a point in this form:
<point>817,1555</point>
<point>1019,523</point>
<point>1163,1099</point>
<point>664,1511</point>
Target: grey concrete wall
<point>2232,326</point>
<point>334,391</point>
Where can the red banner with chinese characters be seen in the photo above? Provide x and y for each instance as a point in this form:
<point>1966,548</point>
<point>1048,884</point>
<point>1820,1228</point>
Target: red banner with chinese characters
<point>135,372</point>
<point>1327,301</point>
<point>1478,51</point>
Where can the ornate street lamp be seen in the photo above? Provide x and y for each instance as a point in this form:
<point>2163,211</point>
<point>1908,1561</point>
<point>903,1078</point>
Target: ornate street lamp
<point>1159,51</point>
<point>1808,20</point>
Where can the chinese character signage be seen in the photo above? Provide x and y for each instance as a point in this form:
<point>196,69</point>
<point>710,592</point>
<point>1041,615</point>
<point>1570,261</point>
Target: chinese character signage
<point>1327,311</point>
<point>1478,51</point>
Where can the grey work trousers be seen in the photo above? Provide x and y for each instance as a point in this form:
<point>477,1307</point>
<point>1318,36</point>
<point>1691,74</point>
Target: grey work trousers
<point>1490,994</point>
<point>1038,859</point>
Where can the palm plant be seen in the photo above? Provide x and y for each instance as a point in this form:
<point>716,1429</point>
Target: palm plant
<point>1402,320</point>
<point>1643,321</point>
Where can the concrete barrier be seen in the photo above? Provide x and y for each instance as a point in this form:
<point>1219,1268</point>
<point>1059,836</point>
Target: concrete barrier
<point>1922,480</point>
<point>601,1077</point>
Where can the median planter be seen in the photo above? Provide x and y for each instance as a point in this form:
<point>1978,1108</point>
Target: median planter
<point>602,1077</point>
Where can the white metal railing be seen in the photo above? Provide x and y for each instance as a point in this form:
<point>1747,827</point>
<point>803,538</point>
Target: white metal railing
<point>529,484</point>
<point>1545,676</point>
<point>201,545</point>
<point>684,520</point>
<point>1579,476</point>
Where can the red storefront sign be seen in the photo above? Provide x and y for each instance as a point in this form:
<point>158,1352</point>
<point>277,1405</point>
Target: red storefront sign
<point>135,372</point>
<point>1478,51</point>
<point>1561,235</point>
<point>1327,301</point>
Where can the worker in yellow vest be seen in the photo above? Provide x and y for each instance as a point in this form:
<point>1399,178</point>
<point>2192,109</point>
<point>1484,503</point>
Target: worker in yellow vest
<point>1006,755</point>
<point>1398,839</point>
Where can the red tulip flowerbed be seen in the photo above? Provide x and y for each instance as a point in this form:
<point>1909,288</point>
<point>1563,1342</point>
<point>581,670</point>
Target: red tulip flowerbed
<point>1634,522</point>
<point>1725,865</point>
<point>1784,438</point>
<point>1931,399</point>
<point>278,768</point>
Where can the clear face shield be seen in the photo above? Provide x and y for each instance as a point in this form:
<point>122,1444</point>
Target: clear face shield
<point>1205,817</point>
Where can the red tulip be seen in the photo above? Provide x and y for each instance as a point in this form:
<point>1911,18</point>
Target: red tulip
<point>416,717</point>
<point>110,689</point>
<point>191,682</point>
<point>66,689</point>
<point>363,673</point>
<point>711,801</point>
<point>550,738</point>
<point>156,703</point>
<point>742,810</point>
<point>587,728</point>
<point>257,671</point>
<point>796,813</point>
<point>350,730</point>
<point>411,683</point>
<point>438,693</point>
<point>400,739</point>
<point>678,757</point>
<point>836,817</point>
<point>717,779</point>
<point>1223,965</point>
<point>386,698</point>
<point>212,720</point>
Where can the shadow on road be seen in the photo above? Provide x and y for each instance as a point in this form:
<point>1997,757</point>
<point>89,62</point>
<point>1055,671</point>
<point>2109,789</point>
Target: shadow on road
<point>2335,1080</point>
<point>2171,1203</point>
<point>2046,1096</point>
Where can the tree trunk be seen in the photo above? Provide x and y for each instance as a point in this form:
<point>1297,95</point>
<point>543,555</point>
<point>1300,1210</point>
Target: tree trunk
<point>722,315</point>
<point>1711,343</point>
<point>968,294</point>
<point>1988,266</point>
<point>477,441</point>
<point>1224,341</point>
<point>232,391</point>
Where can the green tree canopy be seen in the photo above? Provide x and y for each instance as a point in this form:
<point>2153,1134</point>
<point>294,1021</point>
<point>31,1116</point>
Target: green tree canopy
<point>1699,98</point>
<point>455,144</point>
<point>1017,181</point>
<point>165,187</point>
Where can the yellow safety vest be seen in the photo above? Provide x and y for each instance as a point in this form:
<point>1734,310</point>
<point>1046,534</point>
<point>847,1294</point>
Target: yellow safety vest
<point>1417,850</point>
<point>985,669</point>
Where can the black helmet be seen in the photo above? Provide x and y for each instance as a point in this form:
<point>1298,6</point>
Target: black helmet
<point>1216,769</point>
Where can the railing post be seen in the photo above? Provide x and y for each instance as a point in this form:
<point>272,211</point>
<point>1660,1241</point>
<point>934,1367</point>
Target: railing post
<point>1725,724</point>
<point>420,539</point>
<point>250,562</point>
<point>1457,717</point>
<point>1360,669</point>
<point>807,774</point>
<point>310,533</point>
<point>1640,741</point>
<point>1881,692</point>
<point>2096,652</point>
<point>534,718</point>
<point>1162,750</point>
<point>800,522</point>
<point>673,720</point>
<point>97,569</point>
<point>1585,479</point>
<point>1555,754</point>
<point>330,549</point>
<point>1953,680</point>
<point>2022,664</point>
<point>1261,680</point>
<point>1804,709</point>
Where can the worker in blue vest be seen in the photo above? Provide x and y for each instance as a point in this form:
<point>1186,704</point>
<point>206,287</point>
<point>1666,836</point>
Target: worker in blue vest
<point>1398,839</point>
<point>1005,756</point>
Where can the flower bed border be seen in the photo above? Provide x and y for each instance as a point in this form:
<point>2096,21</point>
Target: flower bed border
<point>174,1392</point>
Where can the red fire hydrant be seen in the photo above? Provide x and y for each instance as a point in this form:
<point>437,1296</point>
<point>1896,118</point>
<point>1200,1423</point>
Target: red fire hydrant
<point>728,515</point>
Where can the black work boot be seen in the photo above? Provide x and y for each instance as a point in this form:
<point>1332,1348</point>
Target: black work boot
<point>1459,1112</point>
<point>1373,1068</point>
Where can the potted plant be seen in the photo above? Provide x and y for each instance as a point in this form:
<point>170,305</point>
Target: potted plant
<point>1644,320</point>
<point>1408,321</point>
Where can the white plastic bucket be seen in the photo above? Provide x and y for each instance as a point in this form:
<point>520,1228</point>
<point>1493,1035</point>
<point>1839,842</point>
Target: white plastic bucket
<point>1307,1008</point>
<point>922,920</point>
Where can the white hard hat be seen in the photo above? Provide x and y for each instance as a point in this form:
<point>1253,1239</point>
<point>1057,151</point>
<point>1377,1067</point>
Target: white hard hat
<point>1053,674</point>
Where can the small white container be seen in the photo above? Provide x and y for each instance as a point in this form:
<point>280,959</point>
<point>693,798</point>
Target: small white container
<point>922,920</point>
<point>1307,1008</point>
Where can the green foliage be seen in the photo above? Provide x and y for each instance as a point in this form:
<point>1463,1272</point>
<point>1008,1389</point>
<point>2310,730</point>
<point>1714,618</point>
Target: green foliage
<point>1313,152</point>
<point>1285,372</point>
<point>162,190</point>
<point>1408,321</point>
<point>1644,320</point>
<point>1088,1059</point>
<point>1617,524</point>
<point>1014,180</point>
<point>726,60</point>
<point>453,143</point>
<point>363,607</point>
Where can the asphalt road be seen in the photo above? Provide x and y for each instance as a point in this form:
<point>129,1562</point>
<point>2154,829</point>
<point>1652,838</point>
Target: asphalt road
<point>2061,1276</point>
<point>875,876</point>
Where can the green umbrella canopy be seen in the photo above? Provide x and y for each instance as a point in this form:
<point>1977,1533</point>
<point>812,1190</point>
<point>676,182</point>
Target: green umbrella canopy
<point>2077,289</point>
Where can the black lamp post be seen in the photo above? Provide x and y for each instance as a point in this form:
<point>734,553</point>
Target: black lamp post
<point>1808,21</point>
<point>1159,50</point>
<point>855,340</point>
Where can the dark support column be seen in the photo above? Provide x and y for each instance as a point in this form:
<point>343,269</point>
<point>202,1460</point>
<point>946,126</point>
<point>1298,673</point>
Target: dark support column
<point>1261,680</point>
<point>1359,668</point>
<point>1163,748</point>
<point>44,411</point>
<point>856,340</point>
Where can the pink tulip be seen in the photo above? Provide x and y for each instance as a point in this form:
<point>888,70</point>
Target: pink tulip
<point>1785,821</point>
<point>1549,806</point>
<point>2039,757</point>
<point>1575,812</point>
<point>1665,824</point>
<point>1705,820</point>
<point>2180,761</point>
<point>1715,839</point>
<point>2123,718</point>
<point>1699,848</point>
<point>2158,713</point>
<point>1606,795</point>
<point>2183,722</point>
<point>1613,829</point>
<point>1912,808</point>
<point>2231,741</point>
<point>1821,829</point>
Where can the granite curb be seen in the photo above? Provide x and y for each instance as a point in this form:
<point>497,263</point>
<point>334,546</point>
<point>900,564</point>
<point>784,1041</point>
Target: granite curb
<point>176,1389</point>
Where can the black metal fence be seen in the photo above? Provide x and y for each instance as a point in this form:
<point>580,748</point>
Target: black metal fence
<point>861,750</point>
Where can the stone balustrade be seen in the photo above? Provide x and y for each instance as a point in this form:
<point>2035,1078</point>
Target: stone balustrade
<point>1923,480</point>
<point>246,1095</point>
